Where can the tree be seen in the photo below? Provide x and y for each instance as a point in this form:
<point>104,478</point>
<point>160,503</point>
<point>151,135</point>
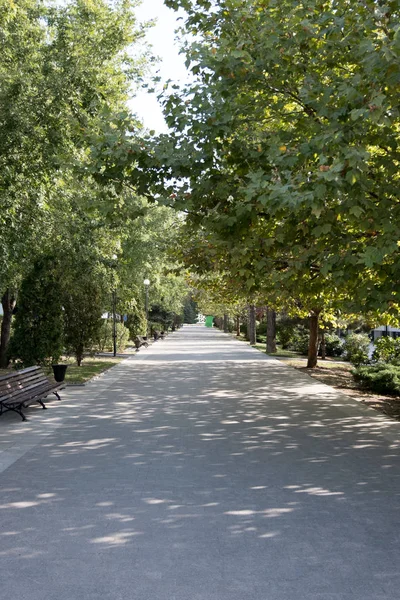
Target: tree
<point>39,326</point>
<point>292,127</point>
<point>83,303</point>
<point>190,311</point>
<point>65,70</point>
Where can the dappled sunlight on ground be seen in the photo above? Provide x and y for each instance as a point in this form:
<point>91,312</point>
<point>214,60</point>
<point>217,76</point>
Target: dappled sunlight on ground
<point>205,459</point>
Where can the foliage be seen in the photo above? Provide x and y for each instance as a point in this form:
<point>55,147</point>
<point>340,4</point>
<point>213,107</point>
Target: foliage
<point>105,339</point>
<point>284,145</point>
<point>38,326</point>
<point>160,319</point>
<point>299,339</point>
<point>190,311</point>
<point>296,132</point>
<point>356,348</point>
<point>136,323</point>
<point>83,303</point>
<point>334,346</point>
<point>285,327</point>
<point>65,73</point>
<point>387,349</point>
<point>381,378</point>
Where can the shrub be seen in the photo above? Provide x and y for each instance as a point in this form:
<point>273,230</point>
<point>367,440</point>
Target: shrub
<point>262,328</point>
<point>136,323</point>
<point>300,339</point>
<point>284,332</point>
<point>286,328</point>
<point>154,326</point>
<point>334,346</point>
<point>387,349</point>
<point>83,303</point>
<point>382,378</point>
<point>105,340</point>
<point>38,327</point>
<point>356,348</point>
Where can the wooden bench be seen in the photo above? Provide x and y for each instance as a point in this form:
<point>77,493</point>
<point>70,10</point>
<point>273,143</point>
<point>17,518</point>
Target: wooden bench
<point>21,388</point>
<point>139,342</point>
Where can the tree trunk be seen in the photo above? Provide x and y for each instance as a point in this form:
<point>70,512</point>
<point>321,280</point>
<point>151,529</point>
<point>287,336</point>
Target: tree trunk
<point>271,331</point>
<point>8,304</point>
<point>323,345</point>
<point>252,333</point>
<point>238,326</point>
<point>79,354</point>
<point>226,328</point>
<point>313,344</point>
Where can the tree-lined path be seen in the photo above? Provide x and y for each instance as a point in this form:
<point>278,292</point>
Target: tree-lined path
<point>200,470</point>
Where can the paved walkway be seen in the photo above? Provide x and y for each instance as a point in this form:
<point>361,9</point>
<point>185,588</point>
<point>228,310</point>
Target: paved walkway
<point>200,470</point>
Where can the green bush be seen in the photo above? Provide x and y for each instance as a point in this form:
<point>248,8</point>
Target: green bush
<point>38,325</point>
<point>83,303</point>
<point>284,333</point>
<point>105,339</point>
<point>382,378</point>
<point>136,323</point>
<point>286,329</point>
<point>356,348</point>
<point>333,345</point>
<point>262,328</point>
<point>154,326</point>
<point>387,349</point>
<point>300,339</point>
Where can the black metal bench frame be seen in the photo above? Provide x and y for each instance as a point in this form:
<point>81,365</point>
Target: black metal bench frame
<point>21,388</point>
<point>139,342</point>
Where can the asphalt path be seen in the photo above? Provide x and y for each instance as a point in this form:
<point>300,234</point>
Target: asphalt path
<point>200,469</point>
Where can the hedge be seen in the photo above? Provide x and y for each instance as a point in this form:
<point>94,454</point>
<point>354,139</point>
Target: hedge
<point>381,378</point>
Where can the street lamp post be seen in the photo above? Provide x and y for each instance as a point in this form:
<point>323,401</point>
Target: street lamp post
<point>146,284</point>
<point>114,308</point>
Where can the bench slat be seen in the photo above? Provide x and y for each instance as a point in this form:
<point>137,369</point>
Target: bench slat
<point>20,380</point>
<point>15,385</point>
<point>22,372</point>
<point>30,386</point>
<point>28,393</point>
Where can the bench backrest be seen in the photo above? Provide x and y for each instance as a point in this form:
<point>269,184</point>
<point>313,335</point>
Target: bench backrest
<point>31,378</point>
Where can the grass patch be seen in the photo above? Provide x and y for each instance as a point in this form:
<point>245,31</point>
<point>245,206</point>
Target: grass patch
<point>91,367</point>
<point>280,352</point>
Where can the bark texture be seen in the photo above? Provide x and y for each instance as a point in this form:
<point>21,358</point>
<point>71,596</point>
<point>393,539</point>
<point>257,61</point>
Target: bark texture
<point>271,330</point>
<point>313,344</point>
<point>323,345</point>
<point>252,334</point>
<point>8,304</point>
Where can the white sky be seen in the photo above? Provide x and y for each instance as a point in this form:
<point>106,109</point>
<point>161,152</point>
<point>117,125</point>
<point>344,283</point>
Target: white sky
<point>162,39</point>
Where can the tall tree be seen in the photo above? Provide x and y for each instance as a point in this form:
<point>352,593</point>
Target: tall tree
<point>64,71</point>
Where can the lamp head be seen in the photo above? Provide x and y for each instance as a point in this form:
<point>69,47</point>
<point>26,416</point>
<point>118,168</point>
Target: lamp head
<point>146,282</point>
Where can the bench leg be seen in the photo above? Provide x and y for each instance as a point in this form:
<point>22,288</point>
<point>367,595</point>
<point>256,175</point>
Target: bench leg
<point>42,404</point>
<point>56,394</point>
<point>17,410</point>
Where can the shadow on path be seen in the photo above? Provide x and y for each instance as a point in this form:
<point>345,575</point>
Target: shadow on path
<point>205,471</point>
